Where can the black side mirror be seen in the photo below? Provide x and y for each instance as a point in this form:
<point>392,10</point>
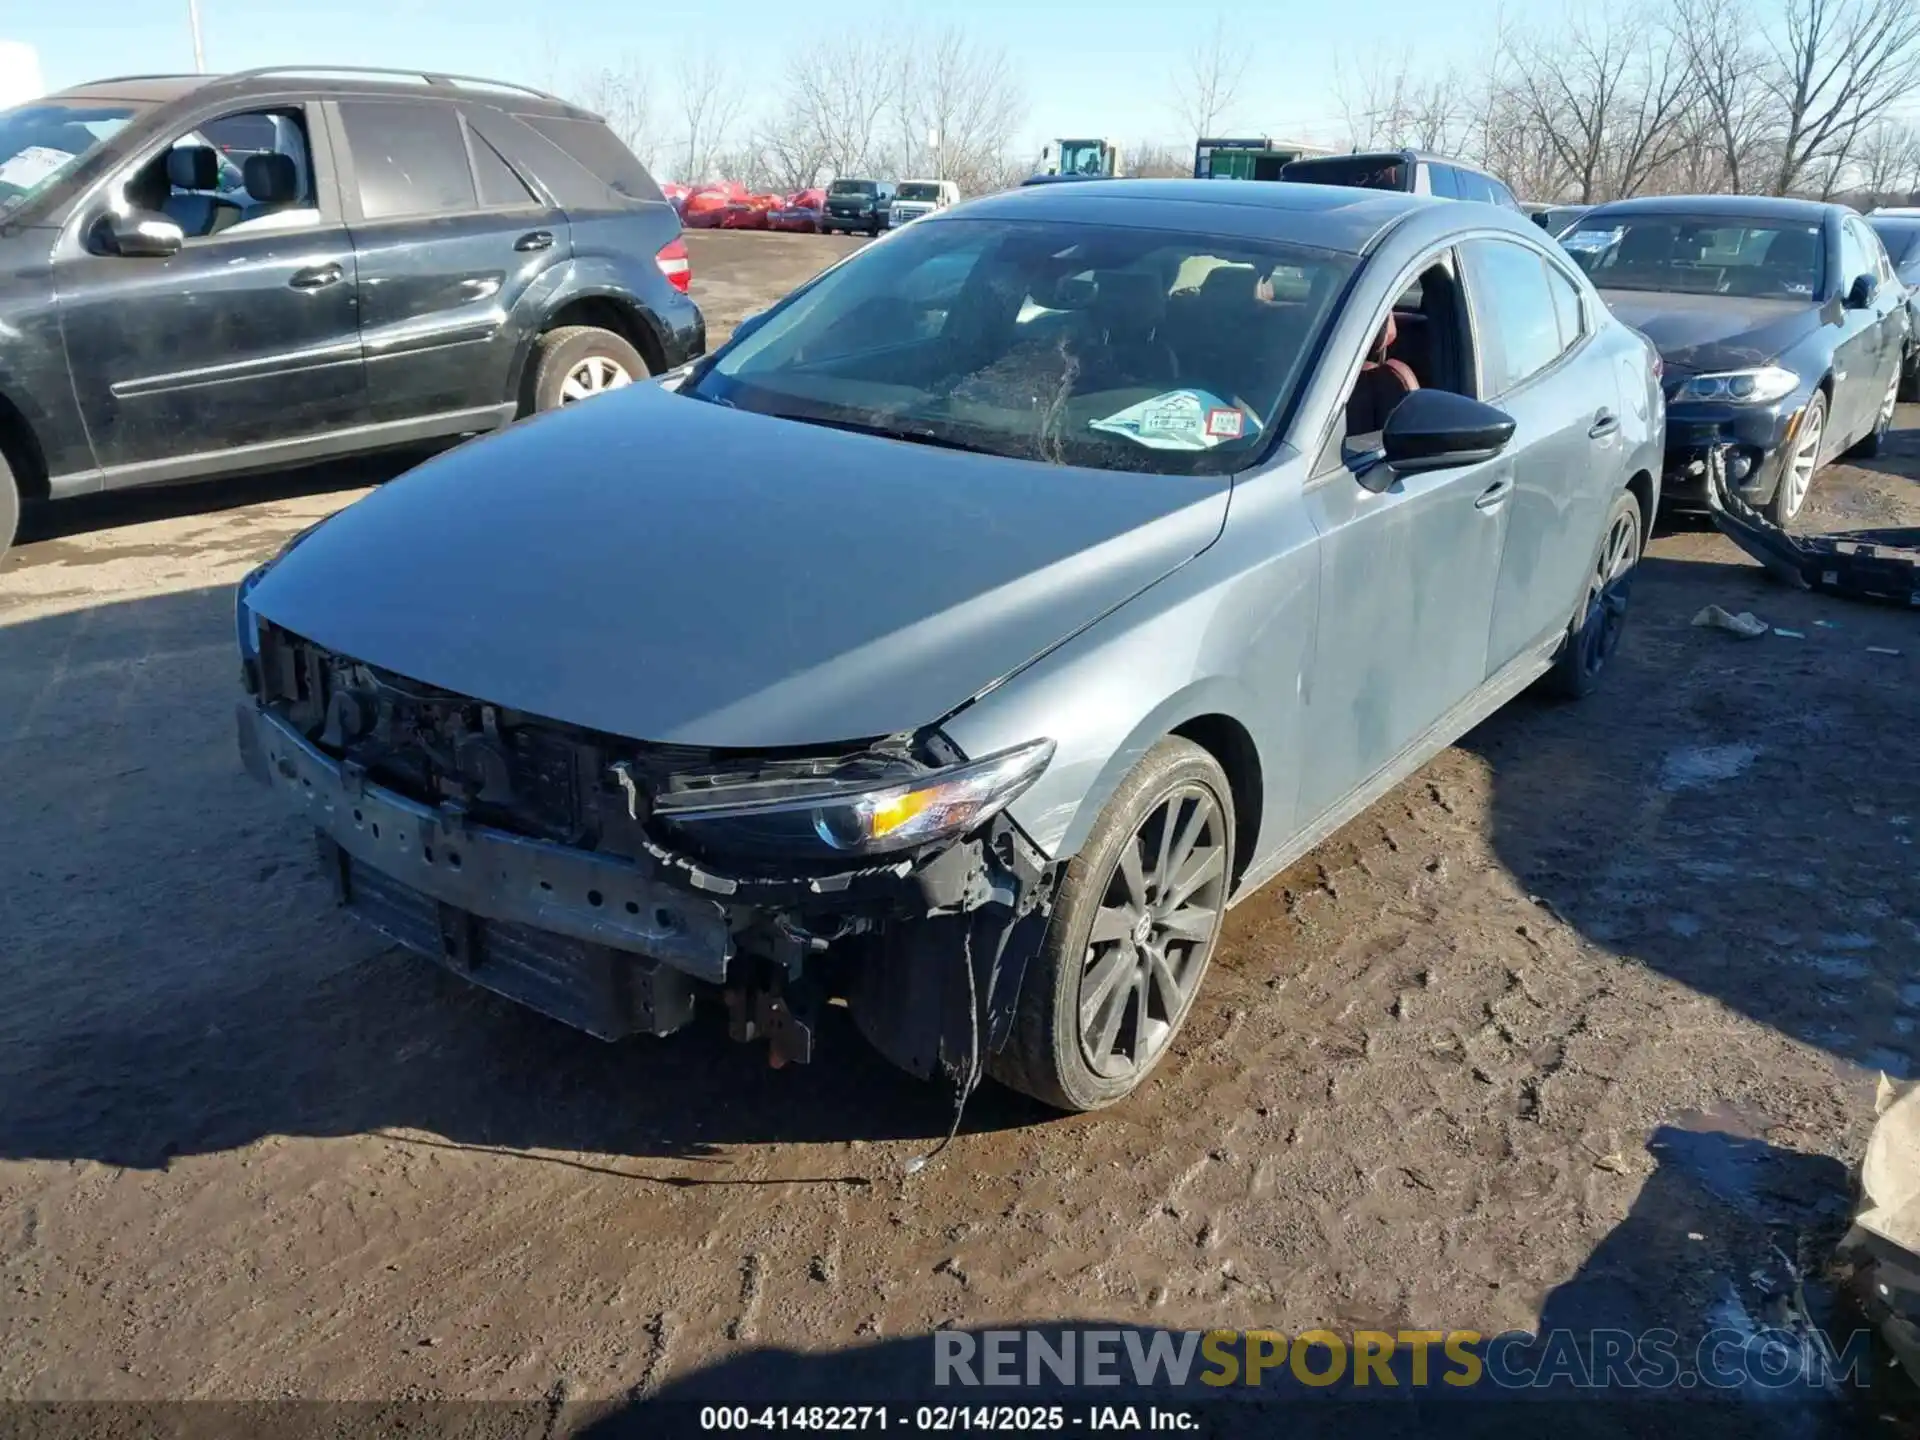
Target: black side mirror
<point>1437,430</point>
<point>1860,294</point>
<point>142,234</point>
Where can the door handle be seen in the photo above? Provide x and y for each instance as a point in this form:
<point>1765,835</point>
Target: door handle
<point>1604,424</point>
<point>1495,495</point>
<point>534,240</point>
<point>316,277</point>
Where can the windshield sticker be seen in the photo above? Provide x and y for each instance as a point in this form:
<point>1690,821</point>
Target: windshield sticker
<point>1593,239</point>
<point>33,165</point>
<point>1179,420</point>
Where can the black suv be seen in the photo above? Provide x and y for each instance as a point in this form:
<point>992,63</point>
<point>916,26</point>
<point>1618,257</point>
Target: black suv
<point>202,274</point>
<point>857,205</point>
<point>1411,171</point>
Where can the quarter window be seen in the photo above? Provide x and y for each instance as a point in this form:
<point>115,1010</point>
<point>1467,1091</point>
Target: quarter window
<point>1516,315</point>
<point>1566,308</point>
<point>408,159</point>
<point>1473,186</point>
<point>499,185</point>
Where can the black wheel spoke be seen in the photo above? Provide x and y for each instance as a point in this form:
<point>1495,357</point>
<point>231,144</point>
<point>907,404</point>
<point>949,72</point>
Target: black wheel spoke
<point>1102,982</point>
<point>1131,875</point>
<point>1114,922</point>
<point>1201,866</point>
<point>1182,848</point>
<point>1191,922</point>
<point>1113,1012</point>
<point>1165,981</point>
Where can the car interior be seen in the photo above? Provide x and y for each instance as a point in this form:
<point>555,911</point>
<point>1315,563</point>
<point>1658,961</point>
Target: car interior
<point>1420,346</point>
<point>200,188</point>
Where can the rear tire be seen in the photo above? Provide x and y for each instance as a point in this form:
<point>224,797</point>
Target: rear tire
<point>1595,632</point>
<point>9,506</point>
<point>577,362</point>
<point>1121,992</point>
<point>1875,441</point>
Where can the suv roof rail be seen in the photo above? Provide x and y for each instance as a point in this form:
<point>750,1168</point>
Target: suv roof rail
<point>438,78</point>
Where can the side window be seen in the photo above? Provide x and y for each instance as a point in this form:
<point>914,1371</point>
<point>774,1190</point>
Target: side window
<point>1501,194</point>
<point>1854,258</point>
<point>231,170</point>
<point>499,185</point>
<point>597,150</point>
<point>1567,308</point>
<point>1473,186</point>
<point>408,158</point>
<point>1441,178</point>
<point>1515,315</point>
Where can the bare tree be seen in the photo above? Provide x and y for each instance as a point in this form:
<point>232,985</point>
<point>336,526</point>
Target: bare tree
<point>1888,161</point>
<point>1838,67</point>
<point>843,94</point>
<point>622,94</point>
<point>960,104</point>
<point>1724,67</point>
<point>710,105</point>
<point>1607,99</point>
<point>1159,160</point>
<point>1208,83</point>
<point>1386,103</point>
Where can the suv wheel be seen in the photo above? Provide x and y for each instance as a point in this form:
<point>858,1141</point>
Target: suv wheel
<point>577,362</point>
<point>9,506</point>
<point>1133,930</point>
<point>1595,632</point>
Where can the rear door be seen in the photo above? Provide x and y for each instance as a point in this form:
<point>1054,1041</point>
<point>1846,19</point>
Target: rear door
<point>449,238</point>
<point>1540,364</point>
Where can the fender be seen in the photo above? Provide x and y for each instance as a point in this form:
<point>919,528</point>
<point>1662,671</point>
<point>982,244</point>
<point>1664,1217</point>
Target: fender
<point>576,278</point>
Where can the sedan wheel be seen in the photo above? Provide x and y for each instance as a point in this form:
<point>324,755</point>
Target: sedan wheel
<point>1602,619</point>
<point>1796,477</point>
<point>1876,439</point>
<point>578,362</point>
<point>1151,934</point>
<point>1133,928</point>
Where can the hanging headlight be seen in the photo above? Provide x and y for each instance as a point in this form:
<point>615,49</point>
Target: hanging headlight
<point>853,817</point>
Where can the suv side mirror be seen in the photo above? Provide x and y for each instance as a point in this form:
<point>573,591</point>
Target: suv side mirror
<point>1860,294</point>
<point>142,234</point>
<point>1437,430</point>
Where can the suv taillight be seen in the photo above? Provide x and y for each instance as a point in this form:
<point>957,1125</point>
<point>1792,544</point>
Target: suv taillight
<point>673,263</point>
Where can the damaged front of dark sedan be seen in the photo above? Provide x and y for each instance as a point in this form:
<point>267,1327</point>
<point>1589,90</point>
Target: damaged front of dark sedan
<point>961,639</point>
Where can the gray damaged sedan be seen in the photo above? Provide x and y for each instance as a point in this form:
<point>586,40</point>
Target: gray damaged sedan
<point>975,627</point>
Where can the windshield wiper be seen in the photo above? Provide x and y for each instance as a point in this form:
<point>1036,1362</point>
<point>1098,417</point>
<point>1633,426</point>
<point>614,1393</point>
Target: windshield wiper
<point>892,432</point>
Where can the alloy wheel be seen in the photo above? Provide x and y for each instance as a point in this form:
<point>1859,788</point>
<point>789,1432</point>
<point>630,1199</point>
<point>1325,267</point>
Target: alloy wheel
<point>1608,591</point>
<point>1160,911</point>
<point>1890,404</point>
<point>1798,478</point>
<point>595,375</point>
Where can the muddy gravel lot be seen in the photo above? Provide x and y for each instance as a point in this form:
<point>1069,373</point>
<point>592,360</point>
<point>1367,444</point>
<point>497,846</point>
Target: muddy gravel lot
<point>1579,1026</point>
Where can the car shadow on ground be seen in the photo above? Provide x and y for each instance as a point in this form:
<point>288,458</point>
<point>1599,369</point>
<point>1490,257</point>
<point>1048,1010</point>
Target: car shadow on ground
<point>1737,815</point>
<point>1748,1341</point>
<point>152,1006</point>
<point>110,510</point>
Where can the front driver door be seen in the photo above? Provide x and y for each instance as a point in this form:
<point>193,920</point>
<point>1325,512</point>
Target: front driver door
<point>1406,598</point>
<point>246,337</point>
<point>1538,363</point>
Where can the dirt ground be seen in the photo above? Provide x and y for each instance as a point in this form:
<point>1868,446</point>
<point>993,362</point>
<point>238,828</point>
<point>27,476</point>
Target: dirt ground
<point>1579,1026</point>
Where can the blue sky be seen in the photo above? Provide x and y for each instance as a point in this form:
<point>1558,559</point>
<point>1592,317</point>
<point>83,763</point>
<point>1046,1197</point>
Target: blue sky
<point>1092,66</point>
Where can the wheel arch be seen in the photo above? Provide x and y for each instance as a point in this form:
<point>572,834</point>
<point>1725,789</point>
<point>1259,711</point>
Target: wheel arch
<point>20,448</point>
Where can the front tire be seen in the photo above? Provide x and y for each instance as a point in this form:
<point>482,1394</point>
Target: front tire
<point>9,506</point>
<point>1796,475</point>
<point>1595,632</point>
<point>577,362</point>
<point>1133,930</point>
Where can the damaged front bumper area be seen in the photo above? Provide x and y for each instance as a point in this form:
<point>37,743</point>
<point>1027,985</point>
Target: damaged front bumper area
<point>526,856</point>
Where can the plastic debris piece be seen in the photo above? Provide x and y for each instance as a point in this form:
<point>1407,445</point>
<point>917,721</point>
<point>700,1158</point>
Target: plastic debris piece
<point>1746,624</point>
<point>1881,650</point>
<point>1790,634</point>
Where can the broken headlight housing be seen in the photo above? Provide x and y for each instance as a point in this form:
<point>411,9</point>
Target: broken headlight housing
<point>863,815</point>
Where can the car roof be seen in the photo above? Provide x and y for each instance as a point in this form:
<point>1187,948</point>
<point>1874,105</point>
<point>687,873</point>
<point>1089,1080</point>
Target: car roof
<point>328,79</point>
<point>1330,217</point>
<point>1752,207</point>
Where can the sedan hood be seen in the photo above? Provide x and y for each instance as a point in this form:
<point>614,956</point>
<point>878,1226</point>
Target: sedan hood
<point>1704,333</point>
<point>657,567</point>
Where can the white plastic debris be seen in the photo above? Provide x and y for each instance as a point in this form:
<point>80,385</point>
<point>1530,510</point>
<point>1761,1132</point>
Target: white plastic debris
<point>1746,624</point>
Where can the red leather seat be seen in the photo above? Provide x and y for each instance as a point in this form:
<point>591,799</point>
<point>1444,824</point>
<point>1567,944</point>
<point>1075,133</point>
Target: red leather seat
<point>1383,383</point>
